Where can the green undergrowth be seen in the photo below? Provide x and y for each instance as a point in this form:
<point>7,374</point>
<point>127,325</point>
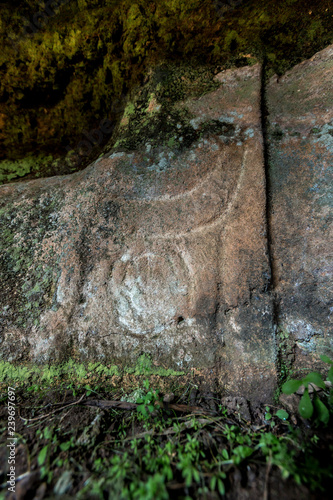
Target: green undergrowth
<point>141,442</point>
<point>154,452</point>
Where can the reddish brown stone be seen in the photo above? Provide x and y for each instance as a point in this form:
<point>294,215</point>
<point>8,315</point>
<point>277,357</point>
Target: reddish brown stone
<point>300,106</point>
<point>151,252</point>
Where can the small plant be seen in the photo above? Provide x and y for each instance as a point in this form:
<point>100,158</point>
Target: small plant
<point>281,414</point>
<point>216,482</point>
<point>147,402</point>
<point>312,407</point>
<point>192,452</point>
<point>188,459</point>
<point>277,453</point>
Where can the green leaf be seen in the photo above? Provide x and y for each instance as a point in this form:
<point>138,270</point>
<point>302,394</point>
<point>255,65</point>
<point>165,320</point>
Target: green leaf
<point>326,359</point>
<point>314,378</point>
<point>282,414</point>
<point>42,455</point>
<point>268,416</point>
<point>305,405</point>
<point>322,411</point>
<point>88,390</point>
<point>48,433</point>
<point>196,475</point>
<point>221,487</point>
<point>240,453</point>
<point>291,386</point>
<point>246,451</point>
<point>43,472</point>
<point>65,446</point>
<point>330,375</point>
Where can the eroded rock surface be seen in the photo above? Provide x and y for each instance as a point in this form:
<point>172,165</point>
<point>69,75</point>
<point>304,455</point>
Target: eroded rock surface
<point>300,106</point>
<point>161,247</point>
<point>162,250</point>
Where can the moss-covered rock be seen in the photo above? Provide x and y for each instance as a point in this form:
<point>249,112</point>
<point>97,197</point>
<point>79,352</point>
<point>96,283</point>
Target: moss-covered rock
<point>27,288</point>
<point>152,118</point>
<point>63,69</point>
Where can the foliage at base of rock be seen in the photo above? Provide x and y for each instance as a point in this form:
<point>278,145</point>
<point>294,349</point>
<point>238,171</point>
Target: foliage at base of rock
<point>57,79</point>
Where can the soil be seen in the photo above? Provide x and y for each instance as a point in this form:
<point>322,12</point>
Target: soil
<point>55,417</point>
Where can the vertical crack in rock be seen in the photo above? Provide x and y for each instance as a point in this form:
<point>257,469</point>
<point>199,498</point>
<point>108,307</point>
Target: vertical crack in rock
<point>264,127</point>
<point>248,354</point>
<point>272,282</point>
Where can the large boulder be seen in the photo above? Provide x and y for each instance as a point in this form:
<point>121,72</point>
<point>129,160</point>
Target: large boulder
<point>161,250</point>
<point>300,139</point>
<point>169,246</point>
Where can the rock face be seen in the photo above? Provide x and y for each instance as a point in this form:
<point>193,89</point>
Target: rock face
<point>151,251</point>
<point>300,140</point>
<point>164,249</point>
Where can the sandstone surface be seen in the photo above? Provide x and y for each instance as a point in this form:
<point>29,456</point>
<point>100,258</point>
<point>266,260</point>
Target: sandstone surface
<point>300,139</point>
<point>168,244</point>
<point>161,250</point>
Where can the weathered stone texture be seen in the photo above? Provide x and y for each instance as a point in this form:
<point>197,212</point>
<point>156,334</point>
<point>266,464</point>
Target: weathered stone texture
<point>151,251</point>
<point>164,249</point>
<point>300,106</point>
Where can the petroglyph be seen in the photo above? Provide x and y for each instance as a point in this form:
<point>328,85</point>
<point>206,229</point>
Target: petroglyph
<point>155,287</point>
<point>151,259</point>
<point>149,289</point>
<point>215,209</point>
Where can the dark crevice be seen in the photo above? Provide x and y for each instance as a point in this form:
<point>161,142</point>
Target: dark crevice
<point>264,127</point>
<point>273,279</point>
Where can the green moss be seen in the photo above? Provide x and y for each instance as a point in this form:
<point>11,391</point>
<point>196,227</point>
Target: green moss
<point>42,165</point>
<point>28,273</point>
<point>78,69</point>
<point>50,375</point>
<point>77,373</point>
<point>156,121</point>
<point>145,366</point>
<point>129,110</point>
<point>11,169</point>
<point>171,142</point>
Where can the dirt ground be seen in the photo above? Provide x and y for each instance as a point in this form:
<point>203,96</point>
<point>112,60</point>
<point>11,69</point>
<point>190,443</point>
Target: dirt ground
<point>73,445</point>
